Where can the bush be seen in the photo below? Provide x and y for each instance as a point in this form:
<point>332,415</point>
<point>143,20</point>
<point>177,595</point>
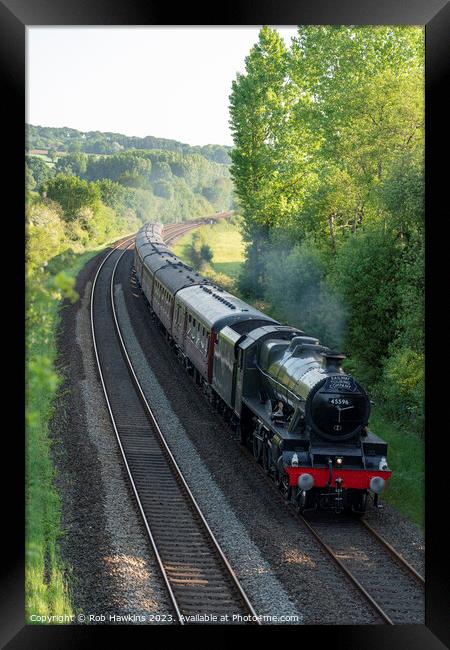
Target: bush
<point>206,253</point>
<point>73,194</point>
<point>367,271</point>
<point>224,281</point>
<point>45,233</point>
<point>402,387</point>
<point>98,225</point>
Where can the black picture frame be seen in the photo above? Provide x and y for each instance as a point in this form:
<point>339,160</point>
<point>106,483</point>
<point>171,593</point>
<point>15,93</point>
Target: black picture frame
<point>15,15</point>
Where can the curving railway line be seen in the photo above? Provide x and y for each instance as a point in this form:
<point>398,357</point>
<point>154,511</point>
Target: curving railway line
<point>196,573</point>
<point>176,230</point>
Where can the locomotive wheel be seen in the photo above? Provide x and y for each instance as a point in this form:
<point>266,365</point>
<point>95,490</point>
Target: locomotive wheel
<point>266,459</point>
<point>241,434</point>
<point>283,485</point>
<point>256,449</point>
<point>358,505</point>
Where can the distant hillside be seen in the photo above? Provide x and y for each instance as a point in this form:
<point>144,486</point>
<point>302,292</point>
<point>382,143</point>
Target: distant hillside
<point>70,140</point>
<point>172,183</point>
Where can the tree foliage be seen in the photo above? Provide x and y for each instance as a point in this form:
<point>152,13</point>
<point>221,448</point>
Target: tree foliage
<point>98,142</point>
<point>73,194</point>
<point>328,170</point>
<point>74,163</point>
<point>40,171</point>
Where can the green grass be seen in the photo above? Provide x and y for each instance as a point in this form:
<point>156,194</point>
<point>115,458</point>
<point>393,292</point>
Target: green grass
<point>225,240</point>
<point>43,157</point>
<point>46,577</point>
<point>406,458</point>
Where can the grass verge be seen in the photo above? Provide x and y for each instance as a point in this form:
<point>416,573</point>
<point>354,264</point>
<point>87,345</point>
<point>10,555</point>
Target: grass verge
<point>406,457</point>
<point>47,592</point>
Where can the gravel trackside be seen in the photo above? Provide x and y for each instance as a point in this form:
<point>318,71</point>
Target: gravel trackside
<point>266,593</point>
<point>235,497</point>
<point>113,571</point>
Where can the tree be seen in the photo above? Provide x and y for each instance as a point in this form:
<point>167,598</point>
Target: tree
<point>128,168</point>
<point>365,104</point>
<point>161,172</point>
<point>41,170</point>
<point>52,153</point>
<point>220,193</point>
<point>367,269</point>
<point>163,189</point>
<point>73,163</point>
<point>143,203</point>
<point>257,110</point>
<point>74,147</point>
<point>30,183</point>
<point>73,194</point>
<point>328,170</point>
<point>112,194</point>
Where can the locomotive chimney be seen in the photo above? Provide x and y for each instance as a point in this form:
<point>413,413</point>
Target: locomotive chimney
<point>333,361</point>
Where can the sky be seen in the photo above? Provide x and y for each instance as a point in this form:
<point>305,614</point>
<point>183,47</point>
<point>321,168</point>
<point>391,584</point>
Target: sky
<point>169,82</point>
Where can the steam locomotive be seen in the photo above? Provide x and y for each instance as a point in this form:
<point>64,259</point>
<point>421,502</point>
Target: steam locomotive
<point>304,418</point>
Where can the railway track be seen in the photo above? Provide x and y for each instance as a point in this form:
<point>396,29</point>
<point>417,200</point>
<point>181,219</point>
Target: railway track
<point>172,232</point>
<point>390,585</point>
<point>387,582</point>
<point>196,573</point>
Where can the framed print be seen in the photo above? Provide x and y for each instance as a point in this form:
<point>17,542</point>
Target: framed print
<point>229,345</point>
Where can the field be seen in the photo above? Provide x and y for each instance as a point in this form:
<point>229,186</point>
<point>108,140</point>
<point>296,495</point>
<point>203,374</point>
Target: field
<point>406,450</point>
<point>226,243</point>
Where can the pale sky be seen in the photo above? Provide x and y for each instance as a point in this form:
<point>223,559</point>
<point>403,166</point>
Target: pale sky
<point>169,82</point>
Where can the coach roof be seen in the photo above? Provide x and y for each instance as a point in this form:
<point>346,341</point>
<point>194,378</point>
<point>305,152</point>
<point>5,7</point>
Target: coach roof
<point>216,307</point>
<point>175,275</point>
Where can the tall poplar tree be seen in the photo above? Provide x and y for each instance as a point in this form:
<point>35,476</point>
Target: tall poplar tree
<point>257,110</point>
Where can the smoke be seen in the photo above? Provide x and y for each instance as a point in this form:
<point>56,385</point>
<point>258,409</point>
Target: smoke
<point>299,289</point>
